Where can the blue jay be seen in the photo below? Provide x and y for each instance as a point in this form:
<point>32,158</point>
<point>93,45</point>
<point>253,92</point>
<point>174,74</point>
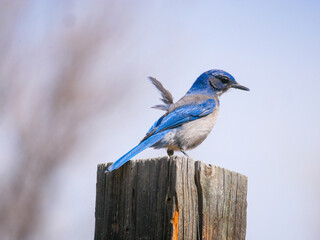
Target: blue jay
<point>188,122</point>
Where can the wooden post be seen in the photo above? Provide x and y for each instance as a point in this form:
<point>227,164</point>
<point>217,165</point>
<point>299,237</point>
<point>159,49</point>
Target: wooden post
<point>170,198</point>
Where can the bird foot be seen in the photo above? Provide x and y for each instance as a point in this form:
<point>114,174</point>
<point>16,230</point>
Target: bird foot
<point>170,152</point>
<point>184,152</point>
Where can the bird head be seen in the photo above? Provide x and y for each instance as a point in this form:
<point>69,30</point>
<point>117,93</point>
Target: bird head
<point>222,81</point>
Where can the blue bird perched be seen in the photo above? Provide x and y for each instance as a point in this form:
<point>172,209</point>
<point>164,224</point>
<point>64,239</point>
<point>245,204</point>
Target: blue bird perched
<point>188,122</point>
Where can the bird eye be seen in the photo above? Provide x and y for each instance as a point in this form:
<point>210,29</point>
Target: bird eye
<point>224,79</point>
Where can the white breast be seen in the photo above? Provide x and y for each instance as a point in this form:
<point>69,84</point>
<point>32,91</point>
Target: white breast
<point>194,133</point>
<point>191,134</point>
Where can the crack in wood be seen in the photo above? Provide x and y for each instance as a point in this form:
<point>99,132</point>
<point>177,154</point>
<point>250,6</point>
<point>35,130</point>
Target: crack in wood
<point>140,201</point>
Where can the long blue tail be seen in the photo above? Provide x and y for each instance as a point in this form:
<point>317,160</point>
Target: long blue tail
<point>139,148</point>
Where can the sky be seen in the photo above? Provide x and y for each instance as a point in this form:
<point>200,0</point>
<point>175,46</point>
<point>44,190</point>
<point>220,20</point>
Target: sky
<point>270,134</point>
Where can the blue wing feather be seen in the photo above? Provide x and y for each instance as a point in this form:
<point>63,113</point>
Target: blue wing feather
<point>181,115</point>
<point>185,114</point>
<point>155,125</point>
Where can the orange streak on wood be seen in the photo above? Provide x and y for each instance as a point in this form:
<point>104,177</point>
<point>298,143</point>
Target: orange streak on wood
<point>175,222</point>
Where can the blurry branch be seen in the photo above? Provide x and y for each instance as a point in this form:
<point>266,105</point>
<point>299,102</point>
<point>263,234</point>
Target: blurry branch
<point>47,123</point>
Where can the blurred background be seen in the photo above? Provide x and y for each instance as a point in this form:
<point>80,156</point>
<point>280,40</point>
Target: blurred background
<point>74,93</point>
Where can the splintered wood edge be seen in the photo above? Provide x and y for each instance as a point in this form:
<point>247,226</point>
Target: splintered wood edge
<point>200,163</point>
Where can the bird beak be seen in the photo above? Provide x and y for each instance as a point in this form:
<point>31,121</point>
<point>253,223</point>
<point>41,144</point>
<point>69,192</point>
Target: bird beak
<point>236,85</point>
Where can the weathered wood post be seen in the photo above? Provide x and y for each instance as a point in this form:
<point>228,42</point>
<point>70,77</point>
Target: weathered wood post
<point>170,198</point>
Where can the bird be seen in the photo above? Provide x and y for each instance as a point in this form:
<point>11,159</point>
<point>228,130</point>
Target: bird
<point>188,122</point>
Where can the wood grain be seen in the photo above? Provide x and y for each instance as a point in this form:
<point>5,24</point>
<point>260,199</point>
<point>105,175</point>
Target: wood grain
<point>170,198</point>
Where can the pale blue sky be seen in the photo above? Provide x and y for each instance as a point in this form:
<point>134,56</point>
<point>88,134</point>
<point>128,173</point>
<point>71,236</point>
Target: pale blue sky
<point>271,134</point>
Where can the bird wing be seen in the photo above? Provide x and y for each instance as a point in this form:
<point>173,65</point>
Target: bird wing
<point>182,115</point>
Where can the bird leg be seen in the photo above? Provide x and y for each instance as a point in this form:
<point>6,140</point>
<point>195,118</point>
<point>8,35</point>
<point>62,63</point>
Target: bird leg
<point>181,150</point>
<point>170,152</point>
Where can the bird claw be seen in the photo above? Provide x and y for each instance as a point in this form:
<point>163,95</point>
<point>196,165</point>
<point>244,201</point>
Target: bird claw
<point>184,152</point>
<point>170,152</point>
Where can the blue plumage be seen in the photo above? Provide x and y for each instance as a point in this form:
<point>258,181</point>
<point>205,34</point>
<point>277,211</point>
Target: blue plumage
<point>186,114</point>
<point>139,148</point>
<point>187,122</point>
